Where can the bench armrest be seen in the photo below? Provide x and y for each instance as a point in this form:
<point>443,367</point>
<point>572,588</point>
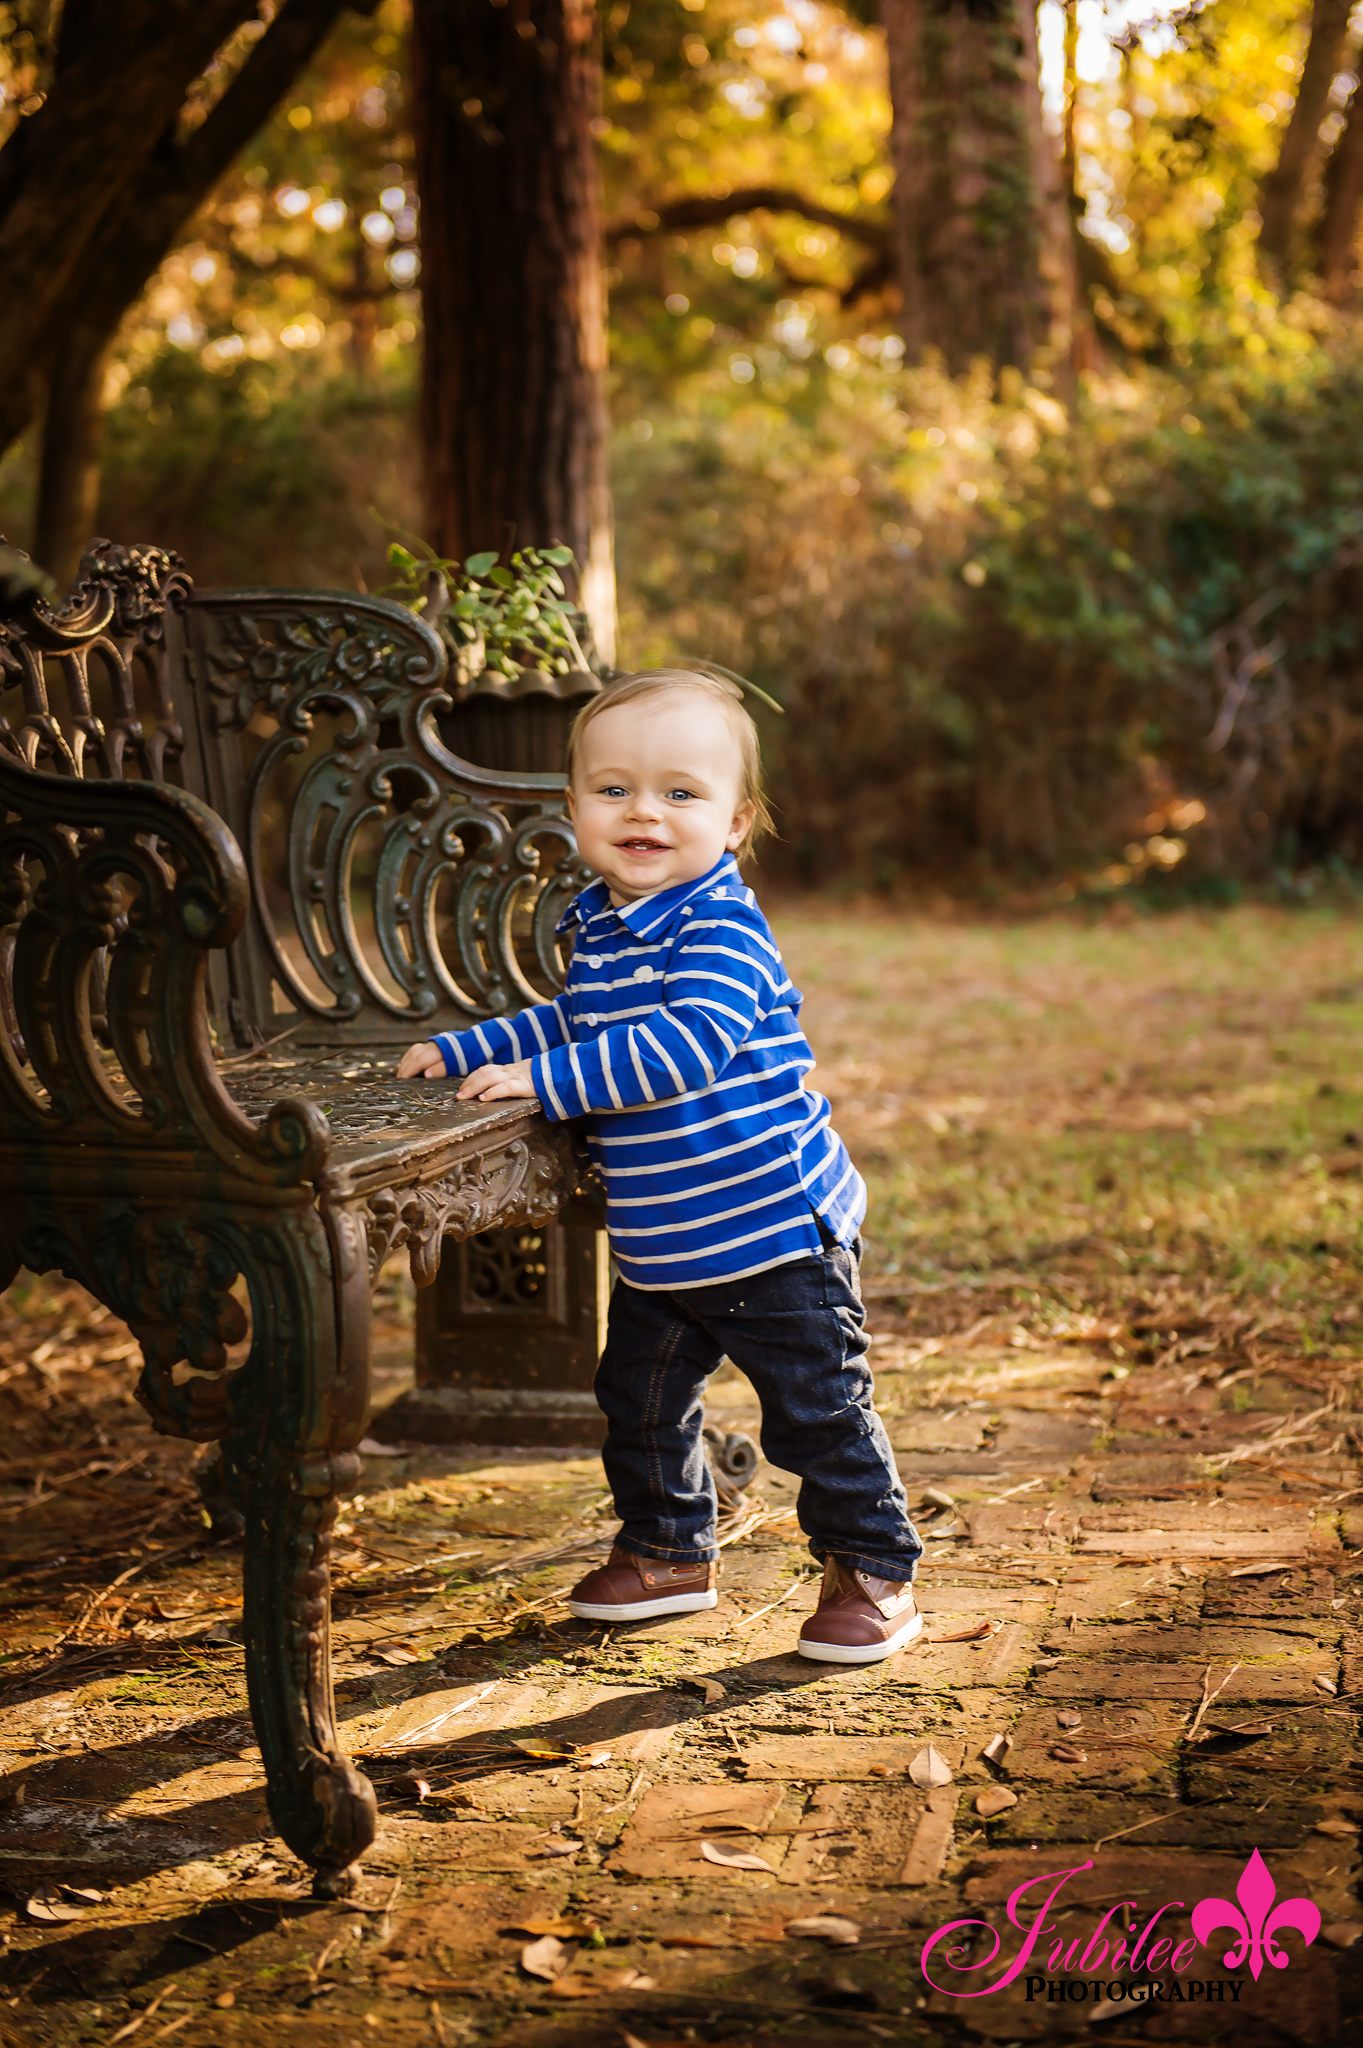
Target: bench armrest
<point>112,896</point>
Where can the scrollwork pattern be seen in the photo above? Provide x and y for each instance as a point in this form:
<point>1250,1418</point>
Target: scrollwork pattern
<point>421,892</point>
<point>527,1182</point>
<point>114,618</point>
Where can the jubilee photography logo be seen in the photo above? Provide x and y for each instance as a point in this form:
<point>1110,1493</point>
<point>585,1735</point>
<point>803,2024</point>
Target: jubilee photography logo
<point>1138,1962</point>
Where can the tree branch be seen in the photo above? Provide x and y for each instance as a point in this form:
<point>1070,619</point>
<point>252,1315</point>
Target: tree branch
<point>288,46</point>
<point>174,184</point>
<point>78,160</point>
<point>872,277</point>
<point>704,211</point>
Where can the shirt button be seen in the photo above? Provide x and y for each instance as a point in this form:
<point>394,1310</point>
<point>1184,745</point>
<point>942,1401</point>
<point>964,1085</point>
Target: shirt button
<point>593,959</point>
<point>591,1018</point>
<point>643,974</point>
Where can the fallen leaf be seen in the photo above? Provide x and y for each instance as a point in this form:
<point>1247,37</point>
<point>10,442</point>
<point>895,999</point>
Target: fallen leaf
<point>576,1987</point>
<point>396,1656</point>
<point>1339,1829</point>
<point>881,1771</point>
<point>225,2000</point>
<point>734,1859</point>
<point>565,1928</point>
<point>980,1633</point>
<point>48,1906</point>
<point>757,1930</point>
<point>1046,1663</point>
<point>843,1991</point>
<point>1065,1754</point>
<point>930,1768</point>
<point>997,1747</point>
<point>935,1497</point>
<point>711,1687</point>
<point>632,1980</point>
<point>14,1795</point>
<point>693,1941</point>
<point>540,1745</point>
<point>556,1846</point>
<point>409,1786</point>
<point>594,1761</point>
<point>1257,1571</point>
<point>1343,1934</point>
<point>1325,1684</point>
<point>546,1958</point>
<point>1067,1718</point>
<point>84,1894</point>
<point>829,1927</point>
<point>994,1799</point>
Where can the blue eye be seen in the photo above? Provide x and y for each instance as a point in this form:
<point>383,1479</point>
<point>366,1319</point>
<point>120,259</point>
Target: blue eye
<point>613,789</point>
<point>680,795</point>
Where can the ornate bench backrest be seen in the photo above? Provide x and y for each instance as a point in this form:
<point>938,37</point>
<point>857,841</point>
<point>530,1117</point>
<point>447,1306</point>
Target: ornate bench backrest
<point>396,889</point>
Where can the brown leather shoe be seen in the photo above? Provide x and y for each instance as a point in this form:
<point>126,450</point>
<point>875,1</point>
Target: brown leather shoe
<point>859,1619</point>
<point>629,1588</point>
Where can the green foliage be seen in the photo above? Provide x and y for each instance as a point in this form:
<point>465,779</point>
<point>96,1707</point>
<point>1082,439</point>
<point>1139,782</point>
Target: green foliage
<point>992,617</point>
<point>260,472</point>
<point>502,619</point>
<point>990,612</point>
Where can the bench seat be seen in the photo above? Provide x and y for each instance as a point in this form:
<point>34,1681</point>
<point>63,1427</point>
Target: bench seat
<point>239,871</point>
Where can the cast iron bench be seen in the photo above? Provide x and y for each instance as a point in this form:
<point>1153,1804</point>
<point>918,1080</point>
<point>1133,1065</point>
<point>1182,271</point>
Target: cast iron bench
<point>238,869</point>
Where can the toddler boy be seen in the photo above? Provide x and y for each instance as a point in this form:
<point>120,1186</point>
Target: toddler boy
<point>732,1206</point>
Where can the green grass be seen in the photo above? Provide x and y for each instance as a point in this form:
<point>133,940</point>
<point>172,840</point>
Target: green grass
<point>1169,1102</point>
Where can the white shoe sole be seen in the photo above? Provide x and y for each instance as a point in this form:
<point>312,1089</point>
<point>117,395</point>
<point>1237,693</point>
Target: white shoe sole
<point>642,1610</point>
<point>860,1653</point>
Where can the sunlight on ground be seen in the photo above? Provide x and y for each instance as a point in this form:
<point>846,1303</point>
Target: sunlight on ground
<point>1179,1096</point>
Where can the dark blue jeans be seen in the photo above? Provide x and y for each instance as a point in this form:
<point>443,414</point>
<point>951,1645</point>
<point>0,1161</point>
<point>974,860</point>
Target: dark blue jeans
<point>797,1332</point>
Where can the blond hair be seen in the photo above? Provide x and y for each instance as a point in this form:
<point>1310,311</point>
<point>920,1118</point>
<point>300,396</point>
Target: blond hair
<point>654,682</point>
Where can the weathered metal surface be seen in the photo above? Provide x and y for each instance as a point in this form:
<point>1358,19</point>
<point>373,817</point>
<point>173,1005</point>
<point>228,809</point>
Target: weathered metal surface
<point>508,1338</point>
<point>398,889</point>
<point>235,1217</point>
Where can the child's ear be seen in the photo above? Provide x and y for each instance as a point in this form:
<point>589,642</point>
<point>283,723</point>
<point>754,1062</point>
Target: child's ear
<point>572,810</point>
<point>738,831</point>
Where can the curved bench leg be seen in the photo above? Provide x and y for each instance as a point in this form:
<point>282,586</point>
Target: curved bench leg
<point>286,1421</point>
<point>305,1389</point>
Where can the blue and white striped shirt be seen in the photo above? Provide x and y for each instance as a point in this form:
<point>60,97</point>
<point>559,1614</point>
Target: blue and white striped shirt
<point>677,1038</point>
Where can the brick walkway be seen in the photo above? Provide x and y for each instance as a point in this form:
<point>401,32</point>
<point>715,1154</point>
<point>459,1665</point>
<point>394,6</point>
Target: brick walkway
<point>1129,1553</point>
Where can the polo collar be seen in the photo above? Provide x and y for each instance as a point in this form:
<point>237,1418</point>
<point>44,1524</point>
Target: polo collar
<point>653,915</point>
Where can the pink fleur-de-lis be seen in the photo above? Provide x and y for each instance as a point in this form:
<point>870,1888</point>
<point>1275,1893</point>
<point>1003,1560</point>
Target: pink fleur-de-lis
<point>1258,1922</point>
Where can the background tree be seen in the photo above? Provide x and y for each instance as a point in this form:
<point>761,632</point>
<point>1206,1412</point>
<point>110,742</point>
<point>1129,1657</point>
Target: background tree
<point>513,398</point>
<point>1283,189</point>
<point>146,156</point>
<point>1337,233</point>
<point>981,223</point>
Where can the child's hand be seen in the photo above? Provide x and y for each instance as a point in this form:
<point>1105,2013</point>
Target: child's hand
<point>493,1084</point>
<point>424,1062</point>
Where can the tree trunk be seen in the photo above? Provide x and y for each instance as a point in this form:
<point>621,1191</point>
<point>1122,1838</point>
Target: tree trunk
<point>129,244</point>
<point>75,164</point>
<point>981,219</point>
<point>1339,222</point>
<point>1280,194</point>
<point>73,439</point>
<point>513,384</point>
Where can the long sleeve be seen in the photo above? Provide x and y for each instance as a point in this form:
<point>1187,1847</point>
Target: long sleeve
<point>719,988</point>
<point>500,1040</point>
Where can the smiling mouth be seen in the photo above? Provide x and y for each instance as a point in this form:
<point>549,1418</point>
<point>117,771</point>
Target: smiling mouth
<point>642,845</point>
